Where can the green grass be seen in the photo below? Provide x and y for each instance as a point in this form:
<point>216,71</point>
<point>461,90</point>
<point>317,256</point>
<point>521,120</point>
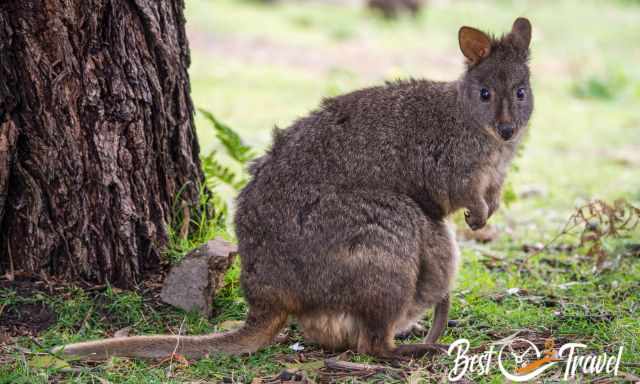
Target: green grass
<point>584,143</point>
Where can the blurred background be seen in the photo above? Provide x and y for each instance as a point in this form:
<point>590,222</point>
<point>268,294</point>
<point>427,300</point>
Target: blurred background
<point>256,64</point>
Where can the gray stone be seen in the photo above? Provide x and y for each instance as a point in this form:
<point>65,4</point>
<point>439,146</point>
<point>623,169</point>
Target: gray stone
<point>192,283</point>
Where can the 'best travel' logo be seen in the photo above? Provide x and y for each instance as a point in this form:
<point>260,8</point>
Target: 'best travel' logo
<point>520,360</point>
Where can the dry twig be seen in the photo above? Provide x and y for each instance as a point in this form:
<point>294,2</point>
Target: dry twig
<point>596,222</point>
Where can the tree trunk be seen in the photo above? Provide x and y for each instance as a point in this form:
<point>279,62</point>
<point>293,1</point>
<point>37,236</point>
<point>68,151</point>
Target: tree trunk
<point>96,135</point>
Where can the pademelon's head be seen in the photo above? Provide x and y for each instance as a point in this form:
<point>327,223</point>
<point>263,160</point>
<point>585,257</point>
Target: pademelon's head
<point>495,92</point>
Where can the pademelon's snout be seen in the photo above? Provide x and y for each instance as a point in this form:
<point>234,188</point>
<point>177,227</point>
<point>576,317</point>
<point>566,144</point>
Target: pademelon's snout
<point>506,130</point>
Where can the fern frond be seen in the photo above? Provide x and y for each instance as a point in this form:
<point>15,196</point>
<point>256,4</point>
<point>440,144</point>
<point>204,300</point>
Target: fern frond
<point>214,170</point>
<point>229,139</point>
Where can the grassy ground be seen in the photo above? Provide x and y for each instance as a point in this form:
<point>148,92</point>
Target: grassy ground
<point>255,66</point>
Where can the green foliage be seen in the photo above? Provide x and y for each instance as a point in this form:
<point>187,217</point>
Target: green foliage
<point>630,2</point>
<point>229,300</point>
<point>609,87</point>
<point>193,226</point>
<point>124,306</point>
<point>600,226</point>
<point>230,139</point>
<point>215,171</point>
<point>229,170</point>
<point>509,195</point>
<point>341,33</point>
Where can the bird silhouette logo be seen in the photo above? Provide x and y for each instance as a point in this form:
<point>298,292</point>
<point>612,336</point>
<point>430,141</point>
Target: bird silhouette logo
<point>528,359</point>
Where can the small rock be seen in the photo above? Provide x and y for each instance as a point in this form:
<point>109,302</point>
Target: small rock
<point>194,281</point>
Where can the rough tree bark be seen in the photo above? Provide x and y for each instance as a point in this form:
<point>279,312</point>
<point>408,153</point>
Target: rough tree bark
<point>96,135</point>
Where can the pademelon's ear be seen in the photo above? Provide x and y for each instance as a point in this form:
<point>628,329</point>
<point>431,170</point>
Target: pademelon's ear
<point>474,44</point>
<point>521,33</point>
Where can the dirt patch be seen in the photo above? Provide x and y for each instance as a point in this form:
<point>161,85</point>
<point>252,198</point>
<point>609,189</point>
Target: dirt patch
<point>26,319</point>
<point>25,316</point>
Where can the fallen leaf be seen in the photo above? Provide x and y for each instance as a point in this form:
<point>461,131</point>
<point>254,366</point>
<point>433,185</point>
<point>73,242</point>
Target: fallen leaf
<point>181,359</point>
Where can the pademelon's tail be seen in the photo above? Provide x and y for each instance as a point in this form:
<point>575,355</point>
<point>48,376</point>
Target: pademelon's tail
<point>257,332</point>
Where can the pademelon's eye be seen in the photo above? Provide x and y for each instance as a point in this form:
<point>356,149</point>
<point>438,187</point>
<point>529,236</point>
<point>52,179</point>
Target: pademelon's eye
<point>485,95</point>
<point>521,93</point>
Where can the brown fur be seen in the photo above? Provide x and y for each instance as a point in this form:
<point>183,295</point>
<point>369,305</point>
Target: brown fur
<point>259,330</point>
<point>343,223</point>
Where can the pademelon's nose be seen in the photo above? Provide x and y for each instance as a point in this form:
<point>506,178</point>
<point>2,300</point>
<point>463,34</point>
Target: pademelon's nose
<point>506,130</point>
